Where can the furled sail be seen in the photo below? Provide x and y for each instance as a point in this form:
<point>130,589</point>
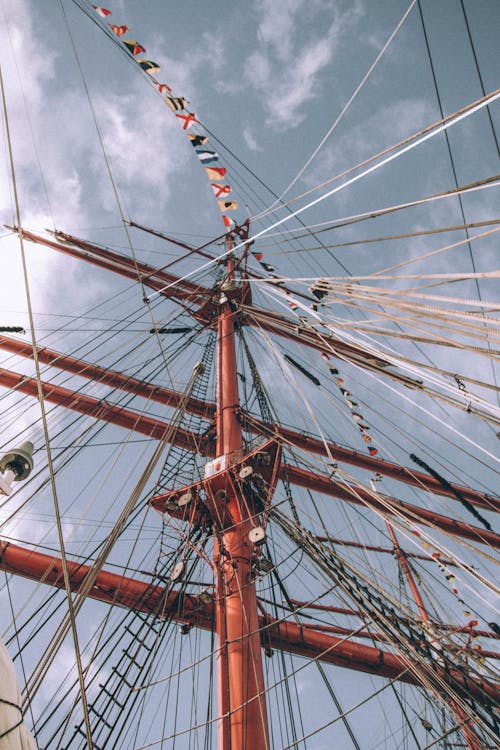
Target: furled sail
<point>13,733</point>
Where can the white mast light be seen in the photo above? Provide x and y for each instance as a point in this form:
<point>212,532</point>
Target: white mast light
<point>15,466</point>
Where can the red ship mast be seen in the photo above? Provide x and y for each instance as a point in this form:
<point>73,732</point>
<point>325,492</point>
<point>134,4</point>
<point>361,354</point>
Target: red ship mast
<point>242,704</point>
<point>232,501</point>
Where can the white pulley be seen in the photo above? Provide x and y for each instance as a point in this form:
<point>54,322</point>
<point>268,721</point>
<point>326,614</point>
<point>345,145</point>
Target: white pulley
<point>185,499</point>
<point>177,571</point>
<point>246,472</point>
<point>257,535</point>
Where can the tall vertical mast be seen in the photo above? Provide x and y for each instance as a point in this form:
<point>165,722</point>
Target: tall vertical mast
<point>242,704</point>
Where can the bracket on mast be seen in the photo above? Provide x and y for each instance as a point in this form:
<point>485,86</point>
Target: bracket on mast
<point>252,475</point>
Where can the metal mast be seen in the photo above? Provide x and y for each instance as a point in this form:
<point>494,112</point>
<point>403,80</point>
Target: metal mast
<point>232,502</point>
<point>242,704</point>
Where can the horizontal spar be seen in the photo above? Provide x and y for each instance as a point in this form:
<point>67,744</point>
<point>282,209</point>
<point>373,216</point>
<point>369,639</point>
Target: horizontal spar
<point>166,284</point>
<point>386,504</point>
<point>308,336</point>
<point>413,477</point>
<point>206,409</point>
<point>284,635</point>
<point>170,285</point>
<point>160,430</point>
<point>101,409</point>
<point>105,376</point>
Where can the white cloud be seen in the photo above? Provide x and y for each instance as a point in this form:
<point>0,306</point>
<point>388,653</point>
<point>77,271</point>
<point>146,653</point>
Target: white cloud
<point>18,35</point>
<point>134,160</point>
<point>28,69</point>
<point>285,67</point>
<point>385,127</point>
<point>213,50</point>
<point>278,23</point>
<point>60,170</point>
<point>250,140</point>
<point>182,72</point>
<point>258,70</point>
<point>301,84</point>
<point>141,135</point>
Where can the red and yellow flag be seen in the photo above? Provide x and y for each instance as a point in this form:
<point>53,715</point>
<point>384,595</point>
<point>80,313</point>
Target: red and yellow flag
<point>215,173</point>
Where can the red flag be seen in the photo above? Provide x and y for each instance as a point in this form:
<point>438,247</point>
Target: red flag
<point>102,11</point>
<point>258,256</point>
<point>229,223</point>
<point>373,452</point>
<point>162,88</point>
<point>119,30</point>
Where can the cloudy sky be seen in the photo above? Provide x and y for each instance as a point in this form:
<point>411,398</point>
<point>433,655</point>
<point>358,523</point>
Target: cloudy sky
<point>94,142</point>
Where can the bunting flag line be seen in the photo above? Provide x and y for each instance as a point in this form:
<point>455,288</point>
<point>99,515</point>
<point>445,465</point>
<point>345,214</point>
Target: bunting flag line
<point>119,30</point>
<point>220,189</point>
<point>162,88</point>
<point>149,66</point>
<point>197,140</point>
<point>435,554</point>
<point>188,120</point>
<point>215,173</point>
<point>207,156</point>
<point>278,281</point>
<point>101,11</point>
<point>267,267</point>
<point>227,205</point>
<point>353,405</point>
<point>450,577</point>
<point>136,49</point>
<point>176,103</point>
<point>243,231</point>
<point>320,289</point>
<point>451,580</point>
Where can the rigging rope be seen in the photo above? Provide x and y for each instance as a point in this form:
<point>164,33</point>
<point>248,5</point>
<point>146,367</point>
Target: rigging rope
<point>468,506</point>
<point>450,153</point>
<point>466,20</point>
<point>67,585</point>
<point>344,108</point>
<point>412,142</point>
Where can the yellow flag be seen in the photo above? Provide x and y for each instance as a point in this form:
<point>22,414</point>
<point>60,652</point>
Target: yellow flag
<point>227,205</point>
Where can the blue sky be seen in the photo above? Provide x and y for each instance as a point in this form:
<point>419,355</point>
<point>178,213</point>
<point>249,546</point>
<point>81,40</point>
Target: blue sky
<point>267,80</point>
